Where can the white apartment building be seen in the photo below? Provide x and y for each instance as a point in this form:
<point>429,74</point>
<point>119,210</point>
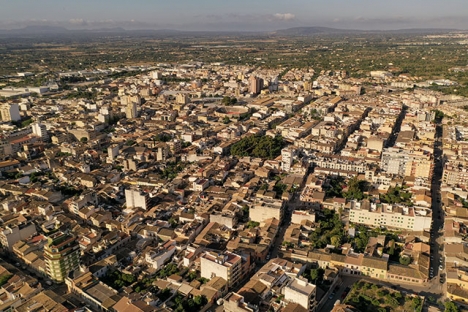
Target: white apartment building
<point>418,164</point>
<point>287,158</point>
<point>157,258</point>
<point>227,265</point>
<point>300,291</point>
<point>40,130</point>
<point>390,215</point>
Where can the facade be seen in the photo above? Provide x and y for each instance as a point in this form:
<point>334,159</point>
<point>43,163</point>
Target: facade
<point>255,84</point>
<point>11,234</point>
<point>62,255</point>
<point>158,257</point>
<point>137,199</point>
<point>40,130</point>
<point>113,151</point>
<point>392,216</point>
<point>10,112</point>
<point>264,209</point>
<point>300,291</point>
<point>287,157</point>
<point>131,110</point>
<point>227,265</point>
<point>418,164</point>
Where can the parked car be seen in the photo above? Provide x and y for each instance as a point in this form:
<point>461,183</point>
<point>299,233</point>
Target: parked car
<point>345,293</point>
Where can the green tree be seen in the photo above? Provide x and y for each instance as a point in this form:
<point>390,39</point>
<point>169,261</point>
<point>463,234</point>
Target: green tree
<point>336,240</point>
<point>84,139</point>
<point>450,307</point>
<point>173,222</point>
<point>405,260</point>
<point>192,275</point>
<point>252,224</point>
<point>316,275</point>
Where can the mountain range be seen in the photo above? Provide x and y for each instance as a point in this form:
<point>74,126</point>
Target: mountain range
<point>296,31</point>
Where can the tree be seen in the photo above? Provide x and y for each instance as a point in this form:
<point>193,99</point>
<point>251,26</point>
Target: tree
<point>405,260</point>
<point>200,300</point>
<point>316,275</point>
<point>227,100</point>
<point>192,275</point>
<point>391,251</point>
<point>355,189</point>
<point>450,307</point>
<point>5,279</point>
<point>252,224</point>
<point>258,146</point>
<point>336,240</point>
<point>173,222</point>
<point>84,139</point>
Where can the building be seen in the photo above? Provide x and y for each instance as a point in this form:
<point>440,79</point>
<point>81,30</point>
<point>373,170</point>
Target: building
<point>14,231</point>
<point>40,130</point>
<point>418,164</point>
<point>94,293</point>
<point>227,265</point>
<point>255,84</point>
<point>131,110</point>
<point>298,216</point>
<point>113,151</point>
<point>390,215</point>
<point>265,208</point>
<point>62,255</point>
<point>137,199</point>
<point>156,258</point>
<point>182,98</point>
<point>10,112</point>
<point>287,158</point>
<point>300,291</point>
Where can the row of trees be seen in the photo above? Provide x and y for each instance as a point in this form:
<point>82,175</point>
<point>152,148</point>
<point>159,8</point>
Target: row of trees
<point>118,279</point>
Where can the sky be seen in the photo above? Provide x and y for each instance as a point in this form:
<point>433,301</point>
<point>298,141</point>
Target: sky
<point>235,15</point>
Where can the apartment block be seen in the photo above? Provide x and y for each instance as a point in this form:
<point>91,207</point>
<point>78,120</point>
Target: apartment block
<point>226,264</point>
<point>62,255</point>
<point>390,215</point>
<point>136,198</point>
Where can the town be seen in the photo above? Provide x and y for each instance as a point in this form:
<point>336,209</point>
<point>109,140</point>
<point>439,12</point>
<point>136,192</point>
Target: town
<point>207,186</point>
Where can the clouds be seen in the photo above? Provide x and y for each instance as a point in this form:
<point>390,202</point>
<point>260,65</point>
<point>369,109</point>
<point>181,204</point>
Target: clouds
<point>78,21</point>
<point>284,16</point>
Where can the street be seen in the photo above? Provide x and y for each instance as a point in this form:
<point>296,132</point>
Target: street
<point>436,235</point>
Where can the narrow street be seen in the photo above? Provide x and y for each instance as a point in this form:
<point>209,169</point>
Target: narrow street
<point>436,235</point>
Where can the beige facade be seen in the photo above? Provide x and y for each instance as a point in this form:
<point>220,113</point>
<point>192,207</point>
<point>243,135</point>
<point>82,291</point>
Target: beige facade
<point>227,265</point>
<point>265,209</point>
